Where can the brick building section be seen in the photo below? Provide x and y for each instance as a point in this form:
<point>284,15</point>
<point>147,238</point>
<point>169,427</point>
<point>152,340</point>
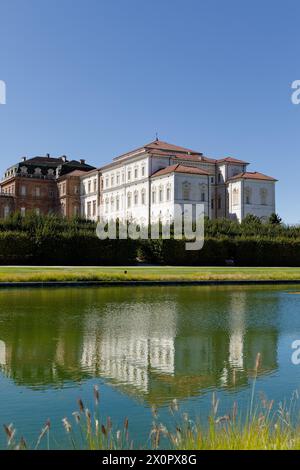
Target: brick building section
<point>32,194</point>
<point>7,205</point>
<point>69,193</point>
<point>34,185</point>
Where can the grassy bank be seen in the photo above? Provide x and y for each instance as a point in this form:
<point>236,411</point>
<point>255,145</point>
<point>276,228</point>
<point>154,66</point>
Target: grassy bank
<point>145,273</point>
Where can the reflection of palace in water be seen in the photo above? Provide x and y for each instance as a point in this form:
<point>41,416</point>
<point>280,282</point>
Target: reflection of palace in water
<point>148,349</point>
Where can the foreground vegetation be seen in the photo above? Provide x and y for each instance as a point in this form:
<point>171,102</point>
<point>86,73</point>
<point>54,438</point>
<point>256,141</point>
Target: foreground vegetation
<point>261,426</point>
<point>146,273</point>
<point>52,240</point>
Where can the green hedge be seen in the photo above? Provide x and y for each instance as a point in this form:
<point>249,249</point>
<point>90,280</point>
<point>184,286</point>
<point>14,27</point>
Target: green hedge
<point>251,251</point>
<point>64,249</point>
<point>56,241</point>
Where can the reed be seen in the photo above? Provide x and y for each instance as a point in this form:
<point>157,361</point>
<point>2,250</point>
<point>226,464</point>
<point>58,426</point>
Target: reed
<point>261,427</point>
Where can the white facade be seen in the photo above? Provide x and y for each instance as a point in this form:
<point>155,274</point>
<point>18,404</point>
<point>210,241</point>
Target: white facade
<point>251,196</point>
<point>144,185</point>
<point>89,195</point>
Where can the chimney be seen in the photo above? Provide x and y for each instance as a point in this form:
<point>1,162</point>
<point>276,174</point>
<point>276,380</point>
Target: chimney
<point>64,158</point>
<point>48,155</point>
<point>82,161</point>
<point>23,159</point>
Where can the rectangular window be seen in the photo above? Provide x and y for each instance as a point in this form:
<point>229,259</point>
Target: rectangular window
<point>76,189</point>
<point>135,172</point>
<point>143,171</point>
<point>23,211</point>
<point>106,182</point>
<point>153,197</point>
<point>89,209</point>
<point>129,175</point>
<point>94,208</point>
<point>89,187</point>
<point>23,190</point>
<point>202,197</point>
<point>168,194</point>
<point>37,191</point>
<point>136,199</point>
<point>95,186</point>
<point>212,205</point>
<point>118,179</point>
<point>160,195</point>
<point>143,198</point>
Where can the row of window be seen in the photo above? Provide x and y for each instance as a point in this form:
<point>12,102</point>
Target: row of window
<point>118,178</point>
<point>90,186</point>
<point>133,199</point>
<point>91,209</point>
<point>248,196</point>
<point>62,189</point>
<point>76,210</point>
<point>161,194</point>
<point>36,191</point>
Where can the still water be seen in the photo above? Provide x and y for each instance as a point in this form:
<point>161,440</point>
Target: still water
<point>144,346</point>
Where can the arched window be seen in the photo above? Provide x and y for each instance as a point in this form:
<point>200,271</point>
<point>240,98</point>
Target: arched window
<point>248,196</point>
<point>129,200</point>
<point>153,195</point>
<point>168,192</point>
<point>235,197</point>
<point>143,197</point>
<point>263,196</point>
<point>161,194</point>
<point>186,191</point>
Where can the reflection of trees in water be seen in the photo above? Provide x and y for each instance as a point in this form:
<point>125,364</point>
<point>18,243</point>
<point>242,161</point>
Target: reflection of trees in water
<point>155,344</point>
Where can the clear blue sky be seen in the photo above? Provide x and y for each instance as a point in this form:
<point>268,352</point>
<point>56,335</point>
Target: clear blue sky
<point>94,78</point>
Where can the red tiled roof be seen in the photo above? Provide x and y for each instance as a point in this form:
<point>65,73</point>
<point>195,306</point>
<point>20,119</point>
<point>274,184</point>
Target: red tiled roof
<point>254,175</point>
<point>160,147</point>
<point>159,144</point>
<point>180,169</point>
<point>231,160</point>
<point>194,158</point>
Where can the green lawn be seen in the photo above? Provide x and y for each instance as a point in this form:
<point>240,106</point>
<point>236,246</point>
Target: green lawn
<point>144,273</point>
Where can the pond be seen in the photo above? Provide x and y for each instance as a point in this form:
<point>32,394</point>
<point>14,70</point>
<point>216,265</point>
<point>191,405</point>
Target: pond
<point>144,347</point>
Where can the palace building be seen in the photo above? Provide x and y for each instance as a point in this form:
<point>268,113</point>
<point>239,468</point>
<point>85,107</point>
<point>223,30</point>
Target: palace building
<point>143,185</point>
